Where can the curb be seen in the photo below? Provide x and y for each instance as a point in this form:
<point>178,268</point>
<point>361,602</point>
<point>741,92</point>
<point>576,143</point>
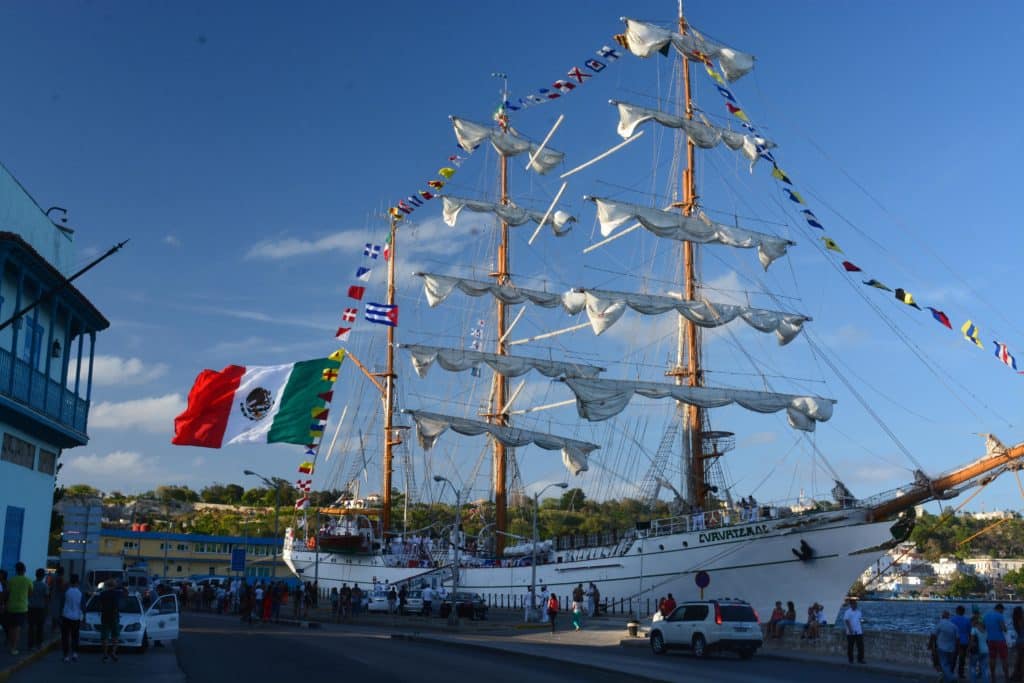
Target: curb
<point>416,637</point>
<point>47,647</point>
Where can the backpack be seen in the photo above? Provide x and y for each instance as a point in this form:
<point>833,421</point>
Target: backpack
<point>552,604</point>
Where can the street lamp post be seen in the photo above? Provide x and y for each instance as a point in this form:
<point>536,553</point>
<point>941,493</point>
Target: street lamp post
<point>275,483</point>
<point>453,615</point>
<point>533,561</point>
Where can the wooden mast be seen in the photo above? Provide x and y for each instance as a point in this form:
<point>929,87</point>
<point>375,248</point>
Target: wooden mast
<point>935,488</point>
<point>688,349</point>
<point>390,439</point>
<point>501,383</point>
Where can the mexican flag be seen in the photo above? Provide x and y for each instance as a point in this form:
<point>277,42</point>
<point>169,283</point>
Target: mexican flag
<point>265,404</point>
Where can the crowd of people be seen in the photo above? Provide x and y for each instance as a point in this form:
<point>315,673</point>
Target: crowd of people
<point>38,607</point>
<point>982,644</point>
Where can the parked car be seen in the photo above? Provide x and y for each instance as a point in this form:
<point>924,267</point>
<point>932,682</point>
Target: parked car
<point>467,606</point>
<point>414,602</point>
<point>707,626</point>
<point>139,626</point>
<point>377,601</point>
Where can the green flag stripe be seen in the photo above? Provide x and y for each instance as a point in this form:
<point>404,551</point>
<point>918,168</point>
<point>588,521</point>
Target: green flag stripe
<point>293,419</point>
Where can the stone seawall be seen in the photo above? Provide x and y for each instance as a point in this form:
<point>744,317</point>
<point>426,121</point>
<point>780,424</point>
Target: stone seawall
<point>886,646</point>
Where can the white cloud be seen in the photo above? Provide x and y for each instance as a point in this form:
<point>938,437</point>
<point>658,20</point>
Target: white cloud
<point>120,470</point>
<point>148,414</point>
<point>346,240</point>
<point>759,439</point>
<point>172,241</point>
<point>113,370</point>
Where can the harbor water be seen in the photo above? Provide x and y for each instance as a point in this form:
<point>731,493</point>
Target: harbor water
<point>917,616</point>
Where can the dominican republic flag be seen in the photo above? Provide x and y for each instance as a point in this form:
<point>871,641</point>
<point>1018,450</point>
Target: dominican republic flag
<point>372,250</point>
<point>382,314</point>
<point>350,315</point>
<point>1003,354</point>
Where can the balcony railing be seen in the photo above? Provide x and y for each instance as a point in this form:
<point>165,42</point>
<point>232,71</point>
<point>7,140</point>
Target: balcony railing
<point>48,397</point>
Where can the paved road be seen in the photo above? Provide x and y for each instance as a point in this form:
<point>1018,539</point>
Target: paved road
<point>219,649</point>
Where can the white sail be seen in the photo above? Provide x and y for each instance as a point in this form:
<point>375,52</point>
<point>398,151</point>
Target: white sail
<point>457,360</point>
<point>702,134</point>
<point>510,213</point>
<point>604,308</point>
<point>429,426</point>
<point>614,214</point>
<point>600,399</point>
<point>645,39</point>
<point>439,287</point>
<point>470,134</point>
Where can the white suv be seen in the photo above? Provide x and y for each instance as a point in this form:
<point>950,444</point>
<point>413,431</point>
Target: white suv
<point>708,625</point>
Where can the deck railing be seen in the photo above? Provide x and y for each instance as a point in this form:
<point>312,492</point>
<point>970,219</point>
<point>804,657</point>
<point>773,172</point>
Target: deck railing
<point>30,387</point>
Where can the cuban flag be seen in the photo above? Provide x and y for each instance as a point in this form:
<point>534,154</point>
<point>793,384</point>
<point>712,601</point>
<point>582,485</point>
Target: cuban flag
<point>371,250</point>
<point>382,314</point>
<point>1004,355</point>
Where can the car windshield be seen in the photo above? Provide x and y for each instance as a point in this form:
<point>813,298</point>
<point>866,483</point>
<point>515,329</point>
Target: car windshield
<point>128,604</point>
<point>738,613</point>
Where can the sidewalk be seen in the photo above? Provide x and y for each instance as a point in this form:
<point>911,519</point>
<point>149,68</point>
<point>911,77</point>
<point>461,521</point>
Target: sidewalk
<point>603,643</point>
<point>10,663</point>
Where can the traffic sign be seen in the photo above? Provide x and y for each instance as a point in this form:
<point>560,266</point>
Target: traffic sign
<point>703,580</point>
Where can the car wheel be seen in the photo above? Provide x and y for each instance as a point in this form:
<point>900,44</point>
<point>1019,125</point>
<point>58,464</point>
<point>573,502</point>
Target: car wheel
<point>658,643</point>
<point>700,646</point>
<point>746,652</point>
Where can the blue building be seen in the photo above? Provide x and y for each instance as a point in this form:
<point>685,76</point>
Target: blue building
<point>42,413</point>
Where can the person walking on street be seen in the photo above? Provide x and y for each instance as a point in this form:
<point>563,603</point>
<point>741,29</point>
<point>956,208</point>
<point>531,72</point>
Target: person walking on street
<point>1017,656</point>
<point>963,632</point>
<point>552,611</point>
<point>71,620</point>
<point>977,649</point>
<point>110,619</point>
<point>577,614</point>
<point>37,604</point>
<point>56,606</point>
<point>852,620</point>
<point>995,632</point>
<point>946,640</point>
<point>18,589</point>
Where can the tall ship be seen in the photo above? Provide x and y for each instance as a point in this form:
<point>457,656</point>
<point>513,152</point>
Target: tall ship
<point>712,533</point>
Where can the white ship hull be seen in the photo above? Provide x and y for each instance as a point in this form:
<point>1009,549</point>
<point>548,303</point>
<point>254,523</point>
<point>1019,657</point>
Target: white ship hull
<point>755,562</point>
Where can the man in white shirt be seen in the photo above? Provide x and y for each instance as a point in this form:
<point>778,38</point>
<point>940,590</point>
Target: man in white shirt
<point>428,601</point>
<point>853,619</point>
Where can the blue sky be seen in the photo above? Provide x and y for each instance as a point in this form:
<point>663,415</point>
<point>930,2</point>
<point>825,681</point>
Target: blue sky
<point>249,150</point>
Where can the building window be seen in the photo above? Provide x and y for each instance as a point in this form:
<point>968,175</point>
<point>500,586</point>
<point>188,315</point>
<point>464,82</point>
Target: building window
<point>17,451</point>
<point>47,461</point>
<point>179,569</point>
<point>130,545</point>
<point>182,546</point>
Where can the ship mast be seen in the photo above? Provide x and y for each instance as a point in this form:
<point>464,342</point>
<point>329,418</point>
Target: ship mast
<point>390,437</point>
<point>501,384</point>
<point>688,350</point>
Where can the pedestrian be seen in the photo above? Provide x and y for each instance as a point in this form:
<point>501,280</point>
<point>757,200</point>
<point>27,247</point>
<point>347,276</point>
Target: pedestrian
<point>577,614</point>
<point>392,600</point>
<point>977,649</point>
<point>110,619</point>
<point>37,610</point>
<point>428,601</point>
<point>963,631</point>
<point>268,603</point>
<point>597,599</point>
<point>357,599</point>
<point>853,620</point>
<point>789,618</point>
<point>552,610</point>
<point>669,606</point>
<point>71,620</point>
<point>56,605</point>
<point>590,600</point>
<point>778,614</point>
<point>946,640</point>
<point>577,593</point>
<point>18,589</point>
<point>995,633</point>
<point>1017,621</point>
<point>545,595</point>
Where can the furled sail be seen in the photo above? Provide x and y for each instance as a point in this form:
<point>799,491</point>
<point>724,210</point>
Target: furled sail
<point>429,426</point>
<point>600,399</point>
<point>510,213</point>
<point>470,134</point>
<point>439,287</point>
<point>645,39</point>
<point>604,308</point>
<point>702,134</point>
<point>614,214</point>
<point>457,360</point>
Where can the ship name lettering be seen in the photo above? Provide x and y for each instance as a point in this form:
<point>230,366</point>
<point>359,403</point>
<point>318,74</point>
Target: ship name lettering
<point>729,534</point>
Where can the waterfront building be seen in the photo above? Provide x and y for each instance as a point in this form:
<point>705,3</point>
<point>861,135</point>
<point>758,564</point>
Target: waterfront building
<point>46,361</point>
<point>174,555</point>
